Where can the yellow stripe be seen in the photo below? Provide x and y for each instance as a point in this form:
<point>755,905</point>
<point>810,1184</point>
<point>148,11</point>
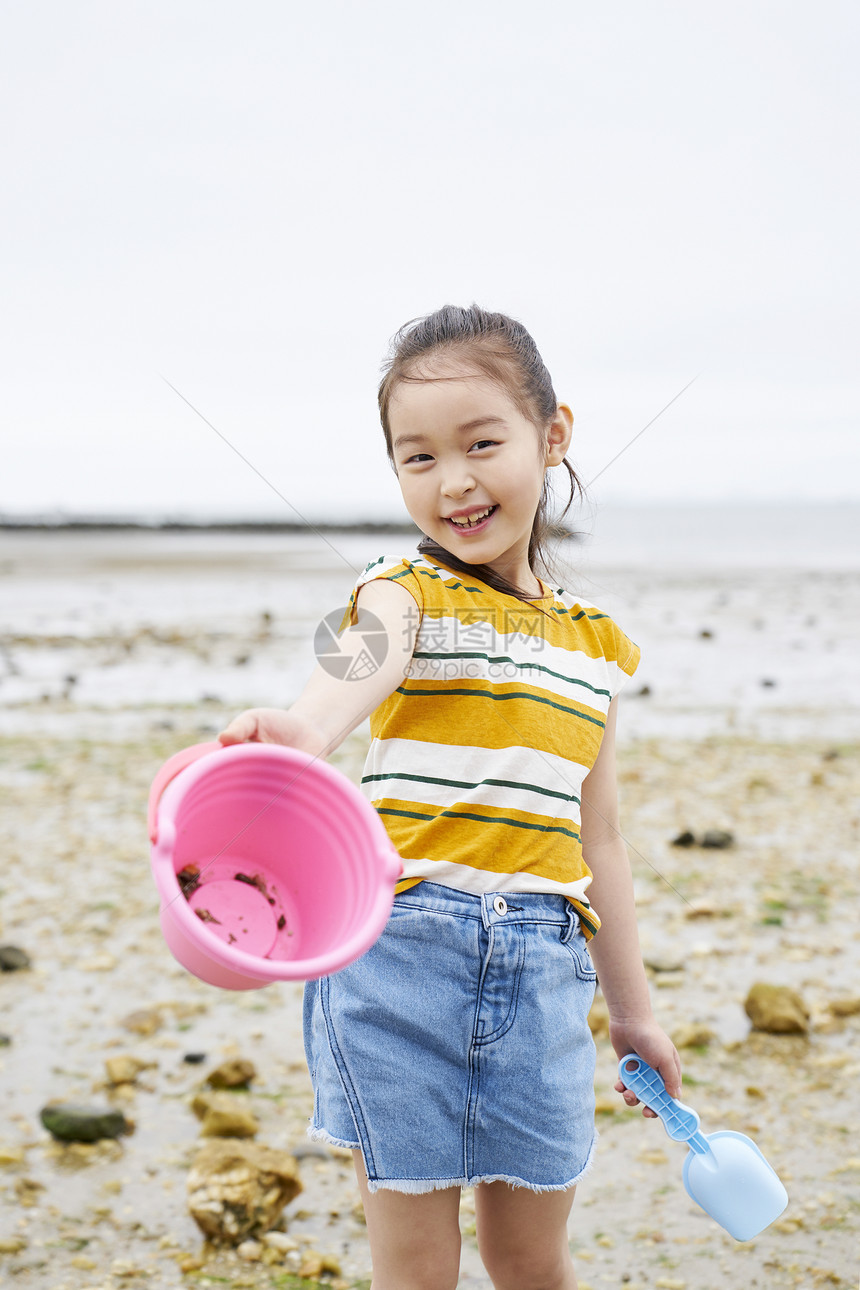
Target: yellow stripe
<point>550,850</point>
<point>526,716</point>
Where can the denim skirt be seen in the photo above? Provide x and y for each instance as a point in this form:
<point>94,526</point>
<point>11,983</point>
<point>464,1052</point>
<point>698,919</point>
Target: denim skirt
<point>457,1050</point>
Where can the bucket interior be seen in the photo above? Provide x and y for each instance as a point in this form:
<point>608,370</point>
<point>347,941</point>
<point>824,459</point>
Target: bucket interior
<point>274,859</point>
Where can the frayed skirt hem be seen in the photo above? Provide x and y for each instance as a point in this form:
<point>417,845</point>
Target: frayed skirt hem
<point>421,1186</point>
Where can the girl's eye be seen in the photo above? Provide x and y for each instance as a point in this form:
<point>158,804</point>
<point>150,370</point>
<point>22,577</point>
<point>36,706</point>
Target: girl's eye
<point>483,443</point>
<point>417,455</point>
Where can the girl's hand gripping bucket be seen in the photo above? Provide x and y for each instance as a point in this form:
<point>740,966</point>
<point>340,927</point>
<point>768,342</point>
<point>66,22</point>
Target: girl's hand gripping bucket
<point>270,864</point>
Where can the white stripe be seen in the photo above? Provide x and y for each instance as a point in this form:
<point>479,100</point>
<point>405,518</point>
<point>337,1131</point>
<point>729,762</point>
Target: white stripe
<point>473,766</point>
<point>514,658</point>
<point>449,635</point>
<point>479,881</point>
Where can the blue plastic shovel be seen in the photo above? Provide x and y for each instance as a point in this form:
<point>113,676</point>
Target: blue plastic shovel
<point>724,1172</point>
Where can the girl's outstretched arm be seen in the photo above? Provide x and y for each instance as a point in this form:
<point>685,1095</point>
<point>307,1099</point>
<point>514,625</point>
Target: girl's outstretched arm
<point>329,708</point>
<point>615,948</point>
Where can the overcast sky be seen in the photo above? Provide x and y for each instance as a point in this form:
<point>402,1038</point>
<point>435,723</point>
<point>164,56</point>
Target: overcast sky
<point>249,199</point>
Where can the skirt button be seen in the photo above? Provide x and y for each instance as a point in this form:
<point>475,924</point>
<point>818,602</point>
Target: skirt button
<point>500,905</point>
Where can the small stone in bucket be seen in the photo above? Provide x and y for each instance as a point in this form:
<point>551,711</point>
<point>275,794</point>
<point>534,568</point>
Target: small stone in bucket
<point>188,879</point>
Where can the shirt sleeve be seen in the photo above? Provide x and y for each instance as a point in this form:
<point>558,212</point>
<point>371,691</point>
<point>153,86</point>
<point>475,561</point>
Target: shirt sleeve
<point>392,568</point>
<point>627,656</point>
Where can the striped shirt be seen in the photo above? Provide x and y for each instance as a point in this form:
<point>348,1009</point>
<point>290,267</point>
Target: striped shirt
<point>477,759</point>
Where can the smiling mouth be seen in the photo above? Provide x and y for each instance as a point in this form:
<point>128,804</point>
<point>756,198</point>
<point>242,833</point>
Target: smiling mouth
<point>469,524</point>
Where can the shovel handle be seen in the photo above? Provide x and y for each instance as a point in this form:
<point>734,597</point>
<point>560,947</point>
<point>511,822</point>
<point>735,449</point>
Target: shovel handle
<point>680,1122</point>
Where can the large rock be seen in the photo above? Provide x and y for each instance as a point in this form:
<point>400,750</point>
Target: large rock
<point>238,1189</point>
<point>73,1123</point>
<point>777,1010</point>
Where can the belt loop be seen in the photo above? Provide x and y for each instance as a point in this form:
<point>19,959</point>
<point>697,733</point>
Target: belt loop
<point>572,924</point>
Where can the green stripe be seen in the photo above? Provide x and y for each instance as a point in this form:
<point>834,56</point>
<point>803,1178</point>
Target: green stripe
<point>455,585</point>
<point>462,783</point>
<point>482,694</point>
<point>504,658</point>
<point>481,819</point>
<point>583,613</point>
<point>591,923</point>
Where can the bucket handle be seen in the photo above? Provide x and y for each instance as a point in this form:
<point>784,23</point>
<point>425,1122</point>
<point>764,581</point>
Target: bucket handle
<point>168,772</point>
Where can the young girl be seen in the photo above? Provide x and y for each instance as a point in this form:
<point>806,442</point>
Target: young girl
<point>456,1052</point>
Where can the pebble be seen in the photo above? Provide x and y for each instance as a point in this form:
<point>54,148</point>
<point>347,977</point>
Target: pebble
<point>845,1007</point>
<point>194,1059</point>
<point>125,1069</point>
<point>224,1116</point>
<point>13,959</point>
<point>70,1122</point>
<point>280,1241</point>
<point>145,1021</point>
<point>718,839</point>
<point>317,1265</point>
<point>99,963</point>
<point>235,1073</point>
<point>664,962</point>
<point>250,1251</point>
<point>692,1036</point>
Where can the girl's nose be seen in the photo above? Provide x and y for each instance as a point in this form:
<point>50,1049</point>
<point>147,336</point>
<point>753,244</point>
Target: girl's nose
<point>458,483</point>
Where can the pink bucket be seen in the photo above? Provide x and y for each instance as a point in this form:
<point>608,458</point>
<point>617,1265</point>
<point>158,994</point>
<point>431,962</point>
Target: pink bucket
<point>270,864</point>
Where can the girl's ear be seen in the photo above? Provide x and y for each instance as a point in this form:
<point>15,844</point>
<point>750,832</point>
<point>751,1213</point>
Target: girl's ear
<point>558,435</point>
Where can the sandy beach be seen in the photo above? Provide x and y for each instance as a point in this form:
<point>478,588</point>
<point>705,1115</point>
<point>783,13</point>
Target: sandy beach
<point>743,718</point>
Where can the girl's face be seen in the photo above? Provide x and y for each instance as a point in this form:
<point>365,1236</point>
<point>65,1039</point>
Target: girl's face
<point>471,466</point>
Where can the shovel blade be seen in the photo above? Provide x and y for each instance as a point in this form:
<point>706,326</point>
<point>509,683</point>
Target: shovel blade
<point>735,1184</point>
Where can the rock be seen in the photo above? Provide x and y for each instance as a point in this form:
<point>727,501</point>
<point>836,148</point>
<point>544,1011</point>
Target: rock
<point>73,1123</point>
<point>685,839</point>
<point>224,1116</point>
<point>718,839</point>
<point>238,1189</point>
<point>250,1251</point>
<point>11,1156</point>
<point>316,1265</point>
<point>124,1069</point>
<point>28,1191</point>
<point>194,1059</point>
<point>145,1021</point>
<point>777,1010</point>
<point>658,962</point>
<point>13,959</point>
<point>235,1073</point>
<point>692,1036</point>
<point>103,962</point>
<point>845,1007</point>
<point>598,1018</point>
<point>310,1150</point>
<point>83,1263</point>
<point>12,1244</point>
<point>230,1122</point>
<point>280,1241</point>
<point>5,1041</point>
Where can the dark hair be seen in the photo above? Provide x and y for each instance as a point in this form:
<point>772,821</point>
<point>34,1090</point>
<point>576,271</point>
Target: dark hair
<point>502,349</point>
